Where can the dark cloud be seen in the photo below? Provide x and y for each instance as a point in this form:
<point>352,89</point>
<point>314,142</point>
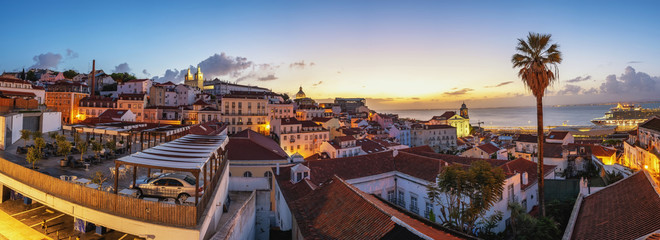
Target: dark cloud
<point>145,72</point>
<point>300,65</point>
<point>631,83</point>
<point>590,91</point>
<point>318,83</point>
<point>500,84</point>
<point>47,60</point>
<point>122,68</point>
<point>570,90</point>
<point>579,79</point>
<point>459,92</point>
<point>270,77</point>
<point>217,65</point>
<point>633,62</point>
<point>70,54</point>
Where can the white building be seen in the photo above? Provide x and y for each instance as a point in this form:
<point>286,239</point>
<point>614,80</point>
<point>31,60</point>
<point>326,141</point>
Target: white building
<point>401,177</point>
<point>135,86</point>
<point>439,137</point>
<point>303,137</point>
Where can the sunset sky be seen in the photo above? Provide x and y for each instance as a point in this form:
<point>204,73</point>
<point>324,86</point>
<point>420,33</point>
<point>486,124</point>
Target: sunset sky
<point>406,54</point>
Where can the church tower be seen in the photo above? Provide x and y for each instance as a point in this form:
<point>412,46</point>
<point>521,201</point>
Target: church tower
<point>189,76</point>
<point>464,111</point>
<point>199,77</point>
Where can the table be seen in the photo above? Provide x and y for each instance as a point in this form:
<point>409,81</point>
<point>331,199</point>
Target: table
<point>83,181</point>
<point>128,192</point>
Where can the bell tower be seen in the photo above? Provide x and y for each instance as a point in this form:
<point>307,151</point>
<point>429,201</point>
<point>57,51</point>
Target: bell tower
<point>464,111</point>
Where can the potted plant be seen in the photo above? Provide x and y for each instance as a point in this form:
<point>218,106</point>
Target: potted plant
<point>64,149</point>
<point>82,146</point>
<point>97,147</point>
<point>25,135</point>
<point>99,178</point>
<point>33,155</point>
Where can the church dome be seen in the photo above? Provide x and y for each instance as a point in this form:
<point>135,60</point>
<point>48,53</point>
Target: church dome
<point>300,94</point>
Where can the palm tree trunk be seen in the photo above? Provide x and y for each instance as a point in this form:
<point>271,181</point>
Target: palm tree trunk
<point>539,119</point>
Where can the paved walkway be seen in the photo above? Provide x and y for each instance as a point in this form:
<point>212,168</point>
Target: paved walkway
<point>13,229</point>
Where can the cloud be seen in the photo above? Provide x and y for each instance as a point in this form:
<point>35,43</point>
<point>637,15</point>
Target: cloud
<point>300,65</point>
<point>570,90</point>
<point>122,68</point>
<point>590,91</point>
<point>579,79</point>
<point>145,72</point>
<point>415,98</point>
<point>631,83</point>
<point>500,84</point>
<point>632,62</point>
<point>70,54</point>
<point>217,65</point>
<point>47,60</point>
<point>459,92</point>
<point>318,83</point>
<point>270,77</point>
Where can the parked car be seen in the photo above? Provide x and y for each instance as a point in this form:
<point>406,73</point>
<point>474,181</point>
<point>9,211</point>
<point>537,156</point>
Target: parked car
<point>169,185</point>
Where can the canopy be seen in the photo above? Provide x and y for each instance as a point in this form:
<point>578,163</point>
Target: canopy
<point>190,152</point>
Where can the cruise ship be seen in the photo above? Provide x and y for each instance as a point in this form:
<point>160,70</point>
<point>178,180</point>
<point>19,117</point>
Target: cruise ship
<point>626,115</point>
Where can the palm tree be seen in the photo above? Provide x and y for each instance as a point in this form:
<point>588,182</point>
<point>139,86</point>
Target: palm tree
<point>537,60</point>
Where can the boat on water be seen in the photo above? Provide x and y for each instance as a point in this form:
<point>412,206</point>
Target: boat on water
<point>626,115</point>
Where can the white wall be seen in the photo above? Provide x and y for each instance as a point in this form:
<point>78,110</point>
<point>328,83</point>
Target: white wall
<point>51,121</point>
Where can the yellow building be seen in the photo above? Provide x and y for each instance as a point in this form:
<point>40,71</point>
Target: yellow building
<point>642,150</point>
<point>245,111</point>
<point>195,81</point>
<point>252,155</point>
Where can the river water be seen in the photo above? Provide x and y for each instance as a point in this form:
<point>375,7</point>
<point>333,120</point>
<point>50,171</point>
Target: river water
<point>523,116</point>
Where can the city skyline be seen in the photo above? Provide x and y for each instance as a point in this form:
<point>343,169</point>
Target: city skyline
<point>398,56</point>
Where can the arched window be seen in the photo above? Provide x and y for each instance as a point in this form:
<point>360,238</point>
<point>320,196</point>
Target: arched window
<point>247,174</point>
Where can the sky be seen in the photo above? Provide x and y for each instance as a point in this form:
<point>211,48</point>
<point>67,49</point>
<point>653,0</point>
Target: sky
<point>397,54</point>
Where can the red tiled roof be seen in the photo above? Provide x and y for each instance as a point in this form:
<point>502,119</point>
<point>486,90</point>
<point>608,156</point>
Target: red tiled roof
<point>132,96</point>
<point>488,148</point>
<point>308,124</point>
<point>201,102</point>
<point>208,128</point>
<point>351,167</point>
<point>627,209</point>
<point>138,80</point>
<point>113,113</point>
<point>337,210</point>
<point>653,124</point>
<point>345,138</point>
<point>370,146</point>
<point>289,121</point>
<point>557,135</point>
<point>601,151</point>
<point>527,138</point>
<point>17,94</point>
<point>250,145</point>
<point>552,150</point>
<point>448,114</point>
<point>521,165</point>
<point>418,166</point>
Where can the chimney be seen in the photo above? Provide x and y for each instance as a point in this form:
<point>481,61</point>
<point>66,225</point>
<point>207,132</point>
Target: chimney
<point>93,77</point>
<point>525,178</point>
<point>277,171</point>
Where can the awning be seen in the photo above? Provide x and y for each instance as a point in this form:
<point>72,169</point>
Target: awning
<point>175,154</point>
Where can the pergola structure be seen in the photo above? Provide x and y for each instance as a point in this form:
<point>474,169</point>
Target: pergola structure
<point>191,153</point>
<point>130,132</point>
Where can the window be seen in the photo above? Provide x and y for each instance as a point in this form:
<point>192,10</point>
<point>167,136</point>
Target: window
<point>427,210</point>
<point>269,175</point>
<point>391,197</point>
<point>413,204</point>
<point>247,174</point>
<point>401,199</point>
<point>511,195</point>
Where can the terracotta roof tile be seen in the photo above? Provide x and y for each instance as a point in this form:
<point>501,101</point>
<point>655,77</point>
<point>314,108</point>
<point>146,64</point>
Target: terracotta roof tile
<point>488,148</point>
<point>627,209</point>
<point>250,145</point>
<point>557,135</point>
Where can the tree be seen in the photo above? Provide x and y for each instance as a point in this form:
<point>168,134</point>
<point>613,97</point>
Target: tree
<point>25,135</point>
<point>64,148</point>
<point>31,76</point>
<point>464,196</point>
<point>122,77</point>
<point>97,147</point>
<point>524,226</point>
<point>99,178</point>
<point>37,134</point>
<point>537,61</point>
<point>82,146</point>
<point>69,74</point>
<point>40,143</point>
<point>33,155</point>
<point>111,145</point>
<point>53,136</point>
<point>76,138</point>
